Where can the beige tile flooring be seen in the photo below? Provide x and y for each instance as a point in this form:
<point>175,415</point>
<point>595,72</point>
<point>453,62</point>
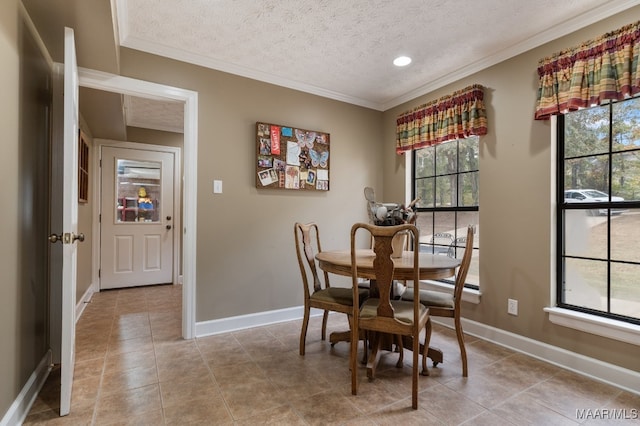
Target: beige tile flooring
<point>132,368</point>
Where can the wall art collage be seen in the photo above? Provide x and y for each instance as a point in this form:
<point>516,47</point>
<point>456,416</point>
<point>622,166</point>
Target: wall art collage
<point>291,158</point>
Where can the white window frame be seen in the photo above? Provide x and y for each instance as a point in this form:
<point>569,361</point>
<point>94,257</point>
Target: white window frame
<point>594,324</point>
<point>468,294</point>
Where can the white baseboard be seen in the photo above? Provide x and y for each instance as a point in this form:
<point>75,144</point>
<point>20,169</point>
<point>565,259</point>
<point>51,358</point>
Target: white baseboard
<point>601,371</point>
<point>27,396</point>
<point>86,298</point>
<point>241,322</point>
<point>623,378</point>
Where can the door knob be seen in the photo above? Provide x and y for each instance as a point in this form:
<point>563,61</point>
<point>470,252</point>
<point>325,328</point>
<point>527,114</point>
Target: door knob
<point>168,226</point>
<point>67,238</point>
<point>54,238</point>
<point>168,217</point>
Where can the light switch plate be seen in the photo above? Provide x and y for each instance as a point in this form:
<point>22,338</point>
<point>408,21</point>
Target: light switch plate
<point>217,187</point>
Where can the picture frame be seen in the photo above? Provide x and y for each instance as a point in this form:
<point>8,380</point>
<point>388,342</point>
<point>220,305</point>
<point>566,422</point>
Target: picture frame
<point>292,158</point>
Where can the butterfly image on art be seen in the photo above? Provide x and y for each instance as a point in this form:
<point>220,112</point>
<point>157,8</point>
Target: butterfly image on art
<point>321,139</point>
<point>305,138</point>
<point>319,159</point>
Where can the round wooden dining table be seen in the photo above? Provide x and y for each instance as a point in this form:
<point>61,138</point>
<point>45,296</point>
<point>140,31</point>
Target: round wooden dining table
<point>432,267</point>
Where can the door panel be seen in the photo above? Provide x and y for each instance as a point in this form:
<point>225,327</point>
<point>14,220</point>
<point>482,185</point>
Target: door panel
<point>69,196</point>
<point>152,253</point>
<point>123,253</point>
<point>137,217</point>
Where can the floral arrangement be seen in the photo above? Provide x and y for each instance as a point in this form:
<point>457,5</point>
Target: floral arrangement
<point>383,216</point>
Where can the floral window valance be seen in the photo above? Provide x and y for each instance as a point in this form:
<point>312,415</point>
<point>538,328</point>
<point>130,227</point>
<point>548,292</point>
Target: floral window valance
<point>455,116</point>
<point>595,72</point>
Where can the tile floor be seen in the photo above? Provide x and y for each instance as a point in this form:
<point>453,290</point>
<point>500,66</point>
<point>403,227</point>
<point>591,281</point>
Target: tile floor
<point>132,368</point>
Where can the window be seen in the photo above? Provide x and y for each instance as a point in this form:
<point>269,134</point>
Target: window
<point>598,224</point>
<point>83,168</point>
<point>445,178</point>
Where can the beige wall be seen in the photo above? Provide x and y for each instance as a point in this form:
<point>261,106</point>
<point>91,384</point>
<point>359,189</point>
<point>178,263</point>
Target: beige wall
<point>245,240</point>
<point>24,173</point>
<point>12,375</point>
<point>516,219</point>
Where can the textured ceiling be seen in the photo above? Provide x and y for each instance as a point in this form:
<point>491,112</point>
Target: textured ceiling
<point>154,114</point>
<point>343,49</point>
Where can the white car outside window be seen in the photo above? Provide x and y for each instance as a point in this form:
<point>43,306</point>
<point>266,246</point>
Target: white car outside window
<point>591,196</point>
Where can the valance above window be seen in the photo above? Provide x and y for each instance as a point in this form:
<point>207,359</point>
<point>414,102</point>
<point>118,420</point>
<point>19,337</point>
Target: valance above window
<point>593,73</point>
<point>455,116</point>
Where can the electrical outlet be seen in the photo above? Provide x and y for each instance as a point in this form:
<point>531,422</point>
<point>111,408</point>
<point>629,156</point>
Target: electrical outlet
<point>512,307</point>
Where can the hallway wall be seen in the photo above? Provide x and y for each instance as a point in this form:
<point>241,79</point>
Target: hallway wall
<point>25,80</point>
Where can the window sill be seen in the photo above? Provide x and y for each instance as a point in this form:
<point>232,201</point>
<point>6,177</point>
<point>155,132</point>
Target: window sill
<point>468,295</point>
<point>617,330</point>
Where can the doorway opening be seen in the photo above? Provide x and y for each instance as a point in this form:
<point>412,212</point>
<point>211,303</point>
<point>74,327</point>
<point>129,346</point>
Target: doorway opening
<point>144,89</point>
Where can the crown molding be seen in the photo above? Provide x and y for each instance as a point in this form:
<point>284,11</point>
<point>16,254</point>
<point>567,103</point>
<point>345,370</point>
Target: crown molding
<point>606,10</point>
<point>576,23</point>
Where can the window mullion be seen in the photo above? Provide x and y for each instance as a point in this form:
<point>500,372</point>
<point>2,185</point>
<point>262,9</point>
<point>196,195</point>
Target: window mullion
<point>560,184</point>
<point>610,172</point>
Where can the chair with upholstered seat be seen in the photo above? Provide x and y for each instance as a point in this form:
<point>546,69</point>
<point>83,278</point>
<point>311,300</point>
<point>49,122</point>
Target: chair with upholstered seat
<point>317,295</point>
<point>443,304</point>
<point>381,314</point>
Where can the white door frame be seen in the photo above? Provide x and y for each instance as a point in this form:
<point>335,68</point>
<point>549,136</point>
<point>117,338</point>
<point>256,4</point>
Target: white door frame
<point>145,89</point>
<point>177,194</point>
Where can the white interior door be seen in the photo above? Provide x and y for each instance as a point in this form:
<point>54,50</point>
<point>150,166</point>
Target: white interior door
<point>64,225</point>
<point>137,217</point>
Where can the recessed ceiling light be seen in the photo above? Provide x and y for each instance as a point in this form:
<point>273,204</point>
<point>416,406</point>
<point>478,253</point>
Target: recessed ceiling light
<point>402,61</point>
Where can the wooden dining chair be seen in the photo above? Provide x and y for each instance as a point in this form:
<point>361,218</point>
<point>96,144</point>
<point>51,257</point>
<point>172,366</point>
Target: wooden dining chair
<point>398,287</point>
<point>442,304</point>
<point>316,294</point>
<point>381,314</point>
